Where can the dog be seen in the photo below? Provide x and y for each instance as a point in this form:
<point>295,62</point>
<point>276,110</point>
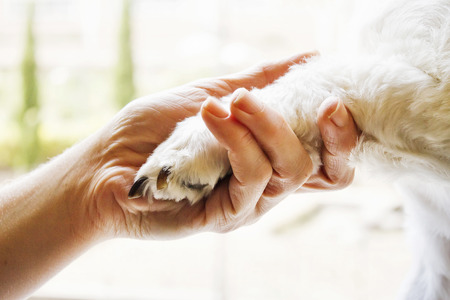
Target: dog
<point>396,84</point>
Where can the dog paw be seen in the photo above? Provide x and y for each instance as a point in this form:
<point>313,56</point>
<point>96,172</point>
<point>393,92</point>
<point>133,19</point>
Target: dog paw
<point>185,166</point>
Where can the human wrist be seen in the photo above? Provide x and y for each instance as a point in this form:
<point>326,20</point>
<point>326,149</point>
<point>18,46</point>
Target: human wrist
<point>74,172</point>
<point>101,185</point>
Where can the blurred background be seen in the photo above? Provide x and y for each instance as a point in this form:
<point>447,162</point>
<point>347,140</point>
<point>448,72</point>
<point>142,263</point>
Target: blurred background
<point>67,66</point>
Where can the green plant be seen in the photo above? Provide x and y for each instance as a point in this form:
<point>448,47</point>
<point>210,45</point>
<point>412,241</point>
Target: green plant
<point>124,87</point>
<point>29,113</point>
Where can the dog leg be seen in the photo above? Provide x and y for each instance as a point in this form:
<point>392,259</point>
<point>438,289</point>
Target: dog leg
<point>428,228</point>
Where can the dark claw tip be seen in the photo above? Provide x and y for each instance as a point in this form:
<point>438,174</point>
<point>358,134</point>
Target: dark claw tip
<point>197,186</point>
<point>137,190</point>
<point>161,181</point>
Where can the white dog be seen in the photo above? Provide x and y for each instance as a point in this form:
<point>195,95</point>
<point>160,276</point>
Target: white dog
<point>397,86</point>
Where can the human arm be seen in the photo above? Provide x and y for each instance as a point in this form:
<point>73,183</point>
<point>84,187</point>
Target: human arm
<point>52,215</point>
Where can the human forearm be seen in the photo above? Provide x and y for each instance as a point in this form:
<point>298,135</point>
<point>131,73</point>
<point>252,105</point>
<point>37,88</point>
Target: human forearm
<point>40,220</point>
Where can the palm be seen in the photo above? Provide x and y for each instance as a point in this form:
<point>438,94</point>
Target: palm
<point>137,131</point>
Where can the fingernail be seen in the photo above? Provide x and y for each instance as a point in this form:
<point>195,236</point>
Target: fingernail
<point>247,102</point>
<point>214,107</point>
<point>340,115</point>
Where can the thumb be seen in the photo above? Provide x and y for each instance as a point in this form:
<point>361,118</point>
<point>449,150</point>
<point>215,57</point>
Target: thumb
<point>340,135</point>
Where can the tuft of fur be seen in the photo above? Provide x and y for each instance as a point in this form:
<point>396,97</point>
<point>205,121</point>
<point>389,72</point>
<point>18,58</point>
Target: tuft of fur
<point>396,84</point>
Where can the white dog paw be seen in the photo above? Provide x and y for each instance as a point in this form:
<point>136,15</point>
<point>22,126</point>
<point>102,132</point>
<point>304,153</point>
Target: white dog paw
<point>186,166</point>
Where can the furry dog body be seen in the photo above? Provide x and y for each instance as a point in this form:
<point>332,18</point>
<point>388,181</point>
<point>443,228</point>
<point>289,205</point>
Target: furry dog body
<point>396,83</point>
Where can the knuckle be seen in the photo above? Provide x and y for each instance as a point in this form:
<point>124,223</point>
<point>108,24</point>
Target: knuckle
<point>333,168</point>
<point>338,185</point>
<point>246,139</point>
<point>263,173</point>
<point>224,224</point>
<point>278,127</point>
<point>302,172</point>
<point>331,143</point>
<point>230,221</point>
<point>289,176</point>
<point>339,181</point>
<point>274,119</point>
<point>275,188</point>
<point>266,71</point>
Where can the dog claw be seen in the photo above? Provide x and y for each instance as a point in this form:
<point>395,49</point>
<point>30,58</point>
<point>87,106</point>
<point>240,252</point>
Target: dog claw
<point>161,181</point>
<point>138,188</point>
<point>197,186</point>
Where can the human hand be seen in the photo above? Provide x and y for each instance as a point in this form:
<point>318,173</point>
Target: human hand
<point>268,160</point>
<point>263,174</point>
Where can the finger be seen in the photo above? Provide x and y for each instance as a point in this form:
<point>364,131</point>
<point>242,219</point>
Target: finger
<point>255,77</point>
<point>251,168</point>
<point>340,135</point>
<point>264,74</point>
<point>291,163</point>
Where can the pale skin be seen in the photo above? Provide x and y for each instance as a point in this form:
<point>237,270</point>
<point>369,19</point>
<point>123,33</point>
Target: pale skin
<point>52,215</point>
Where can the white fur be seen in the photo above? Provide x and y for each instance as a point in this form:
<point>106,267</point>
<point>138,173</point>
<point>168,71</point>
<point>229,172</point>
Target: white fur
<point>396,84</point>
